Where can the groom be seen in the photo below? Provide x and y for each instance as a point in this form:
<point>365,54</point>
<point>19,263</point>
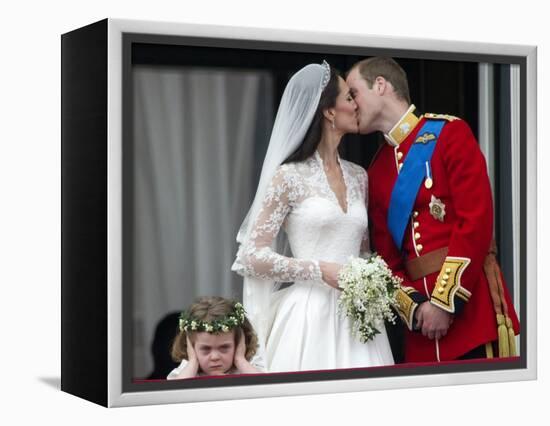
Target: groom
<point>431,219</point>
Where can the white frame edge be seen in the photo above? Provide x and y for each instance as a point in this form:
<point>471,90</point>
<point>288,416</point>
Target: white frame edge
<point>114,214</point>
<point>531,210</point>
<point>116,397</point>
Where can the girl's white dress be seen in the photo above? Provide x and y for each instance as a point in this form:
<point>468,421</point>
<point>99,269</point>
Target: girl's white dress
<point>306,331</point>
<point>256,361</point>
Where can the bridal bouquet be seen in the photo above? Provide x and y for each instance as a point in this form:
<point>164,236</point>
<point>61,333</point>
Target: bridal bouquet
<point>368,292</point>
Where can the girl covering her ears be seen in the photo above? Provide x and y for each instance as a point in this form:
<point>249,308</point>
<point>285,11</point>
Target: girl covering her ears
<point>215,338</point>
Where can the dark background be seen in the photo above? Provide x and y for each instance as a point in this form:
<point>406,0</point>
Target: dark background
<point>447,87</point>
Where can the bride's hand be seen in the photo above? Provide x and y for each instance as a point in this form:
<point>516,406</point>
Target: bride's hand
<point>330,273</point>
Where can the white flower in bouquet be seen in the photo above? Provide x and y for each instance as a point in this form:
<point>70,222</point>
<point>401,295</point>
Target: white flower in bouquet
<point>368,292</point>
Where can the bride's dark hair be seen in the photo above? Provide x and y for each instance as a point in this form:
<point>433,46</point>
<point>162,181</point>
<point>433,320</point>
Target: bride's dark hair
<point>313,134</point>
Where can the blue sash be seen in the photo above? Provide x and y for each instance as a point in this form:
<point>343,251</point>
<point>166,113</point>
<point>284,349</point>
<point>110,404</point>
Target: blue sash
<point>410,178</point>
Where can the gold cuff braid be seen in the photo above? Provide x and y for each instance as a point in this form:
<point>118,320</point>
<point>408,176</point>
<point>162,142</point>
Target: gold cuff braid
<point>447,285</point>
<point>406,306</point>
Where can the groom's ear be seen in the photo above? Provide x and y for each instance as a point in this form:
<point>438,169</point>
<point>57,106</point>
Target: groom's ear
<point>382,86</point>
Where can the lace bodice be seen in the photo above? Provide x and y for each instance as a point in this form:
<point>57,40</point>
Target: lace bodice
<point>300,200</point>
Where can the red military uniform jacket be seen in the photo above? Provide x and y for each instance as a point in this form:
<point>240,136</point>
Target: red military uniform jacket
<point>453,211</point>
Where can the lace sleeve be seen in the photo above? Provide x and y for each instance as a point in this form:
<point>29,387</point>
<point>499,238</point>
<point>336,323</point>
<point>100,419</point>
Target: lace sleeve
<point>256,257</point>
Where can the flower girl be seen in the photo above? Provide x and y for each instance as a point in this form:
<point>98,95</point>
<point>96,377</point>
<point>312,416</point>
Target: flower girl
<point>215,338</point>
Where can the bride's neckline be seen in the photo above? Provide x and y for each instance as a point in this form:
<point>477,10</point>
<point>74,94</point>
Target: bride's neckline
<point>343,208</point>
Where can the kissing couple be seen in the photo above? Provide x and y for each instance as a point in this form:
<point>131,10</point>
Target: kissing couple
<point>425,205</point>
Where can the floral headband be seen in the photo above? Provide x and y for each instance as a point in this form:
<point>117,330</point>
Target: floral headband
<point>230,321</point>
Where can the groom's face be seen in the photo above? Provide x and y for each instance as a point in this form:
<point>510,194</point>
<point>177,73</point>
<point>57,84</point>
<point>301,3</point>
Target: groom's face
<point>368,102</point>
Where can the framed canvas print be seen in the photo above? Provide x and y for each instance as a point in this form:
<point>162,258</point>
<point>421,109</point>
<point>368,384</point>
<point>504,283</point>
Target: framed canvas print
<point>252,213</point>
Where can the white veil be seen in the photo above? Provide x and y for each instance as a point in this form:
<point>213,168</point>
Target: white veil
<point>296,110</point>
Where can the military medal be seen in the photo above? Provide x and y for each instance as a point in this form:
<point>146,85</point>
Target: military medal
<point>437,209</point>
<point>428,183</point>
<point>425,138</point>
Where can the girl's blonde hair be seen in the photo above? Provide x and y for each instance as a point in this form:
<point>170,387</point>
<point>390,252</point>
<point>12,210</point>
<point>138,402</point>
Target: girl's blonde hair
<point>210,309</point>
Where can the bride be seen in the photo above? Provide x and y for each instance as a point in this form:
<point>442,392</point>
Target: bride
<point>319,201</point>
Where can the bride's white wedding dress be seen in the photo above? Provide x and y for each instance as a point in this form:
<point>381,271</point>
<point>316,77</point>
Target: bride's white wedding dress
<point>306,331</point>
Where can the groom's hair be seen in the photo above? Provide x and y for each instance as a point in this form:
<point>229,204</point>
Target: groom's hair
<point>381,66</point>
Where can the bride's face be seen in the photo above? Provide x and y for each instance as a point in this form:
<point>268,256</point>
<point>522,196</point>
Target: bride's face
<point>345,110</point>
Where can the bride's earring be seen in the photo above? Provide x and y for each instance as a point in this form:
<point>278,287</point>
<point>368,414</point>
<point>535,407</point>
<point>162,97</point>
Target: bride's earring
<point>333,126</point>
